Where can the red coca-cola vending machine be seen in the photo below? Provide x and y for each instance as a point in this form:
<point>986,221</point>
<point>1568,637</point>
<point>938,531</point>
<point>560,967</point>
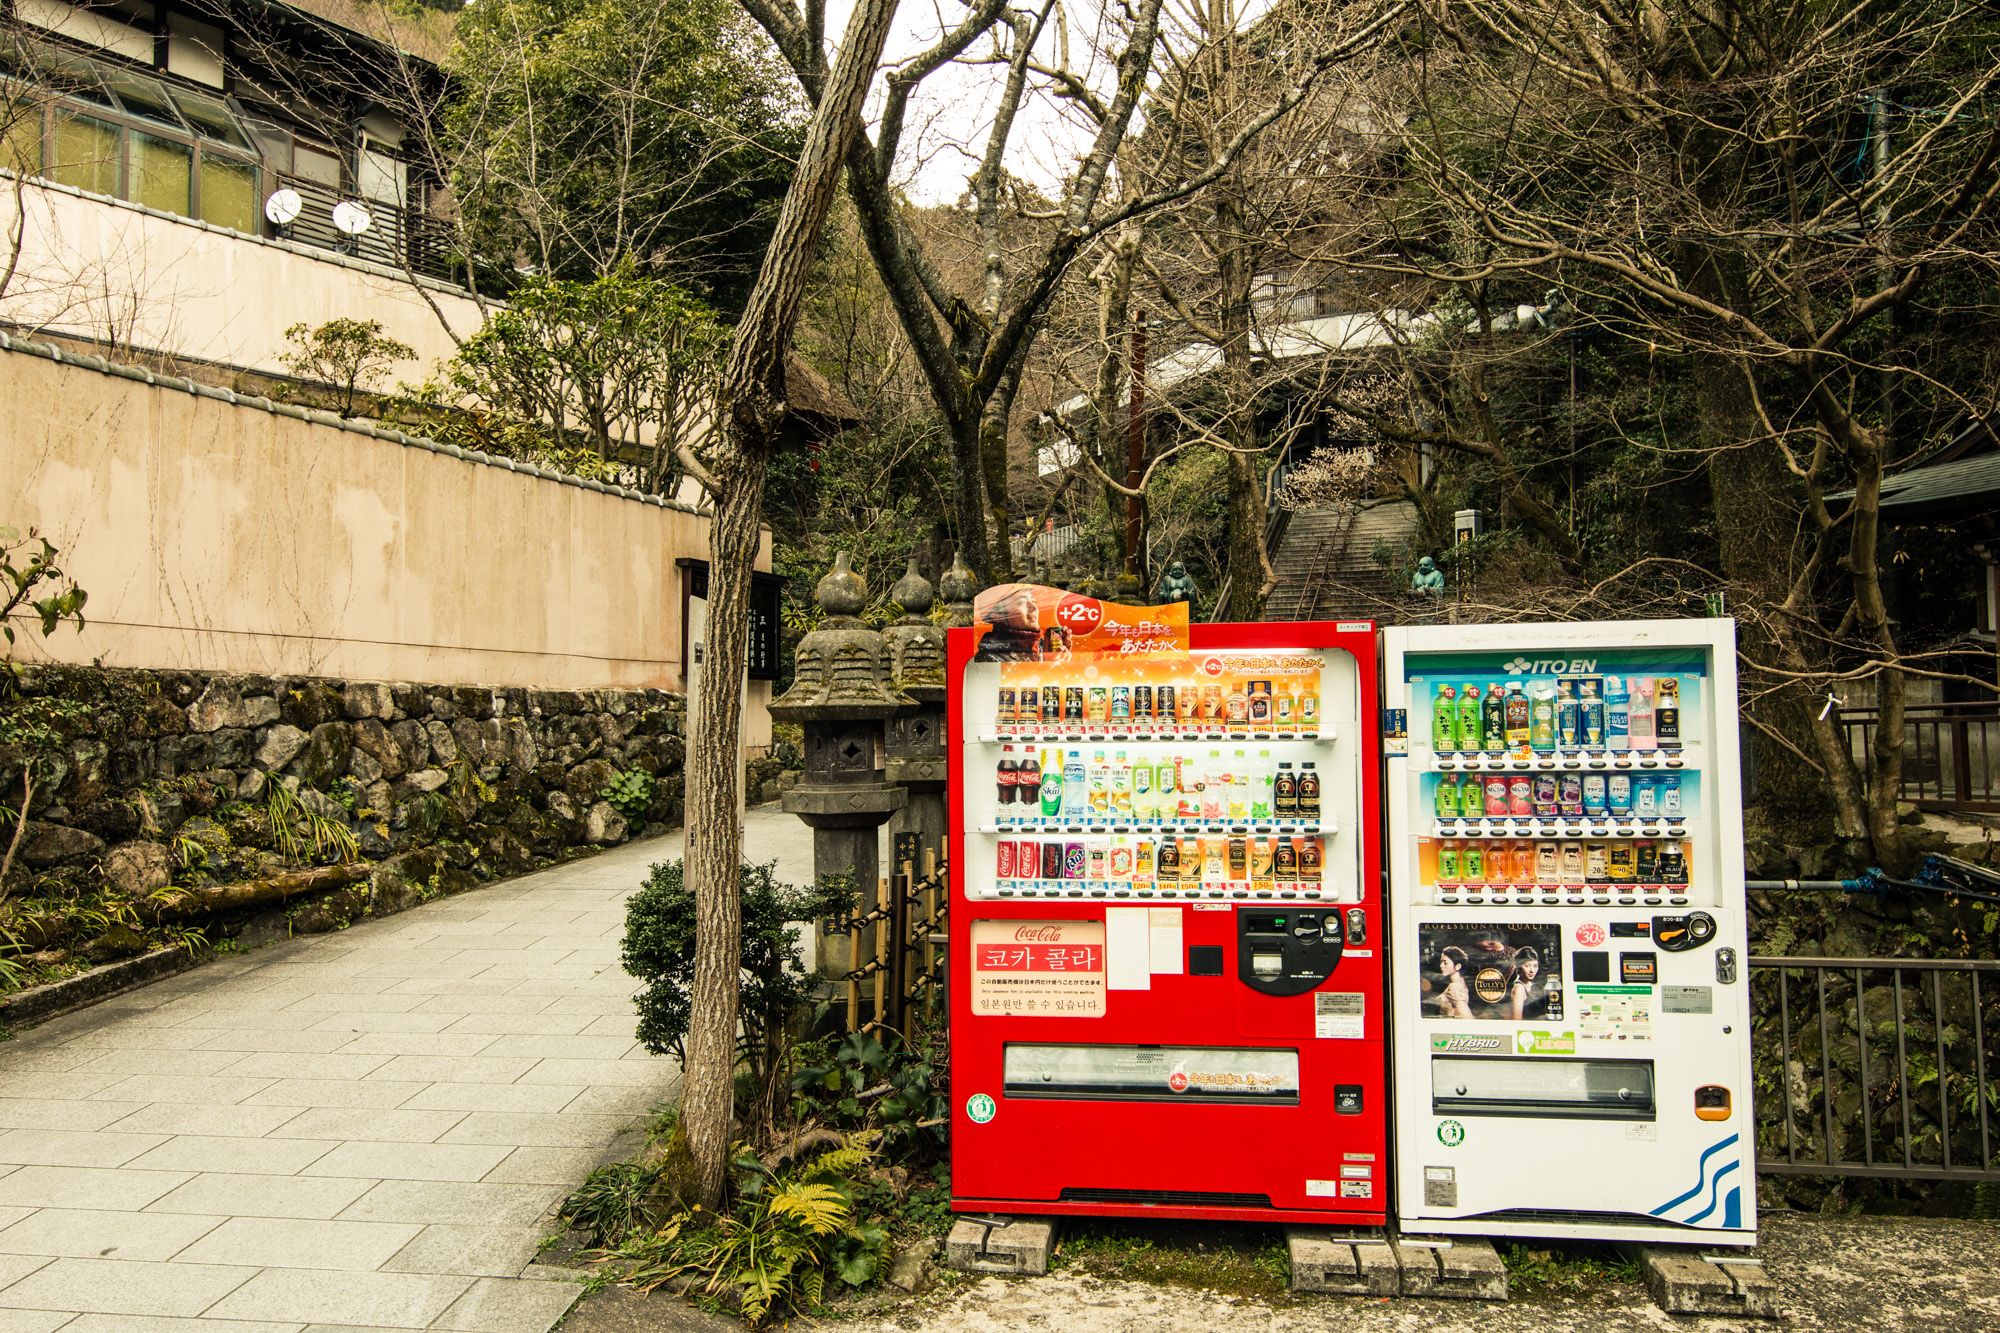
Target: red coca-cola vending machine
<point>1166,923</point>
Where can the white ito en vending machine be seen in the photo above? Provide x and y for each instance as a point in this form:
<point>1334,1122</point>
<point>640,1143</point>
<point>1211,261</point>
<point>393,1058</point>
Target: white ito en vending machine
<point>1567,934</point>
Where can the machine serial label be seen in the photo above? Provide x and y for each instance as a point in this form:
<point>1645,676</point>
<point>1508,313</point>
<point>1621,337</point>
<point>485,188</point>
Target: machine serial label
<point>1340,1014</point>
<point>1440,1187</point>
<point>1687,999</point>
<point>1322,1189</point>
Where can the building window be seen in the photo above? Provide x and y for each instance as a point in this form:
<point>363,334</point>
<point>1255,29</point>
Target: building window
<point>165,148</point>
<point>162,174</point>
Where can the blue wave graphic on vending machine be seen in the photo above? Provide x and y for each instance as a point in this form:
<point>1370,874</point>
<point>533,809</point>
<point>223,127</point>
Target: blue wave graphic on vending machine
<point>1710,1187</point>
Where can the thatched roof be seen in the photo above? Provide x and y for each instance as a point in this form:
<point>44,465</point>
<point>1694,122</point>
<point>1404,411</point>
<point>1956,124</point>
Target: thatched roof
<point>807,391</point>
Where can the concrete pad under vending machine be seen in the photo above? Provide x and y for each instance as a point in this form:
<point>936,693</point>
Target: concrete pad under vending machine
<point>1465,1268</point>
<point>1342,1261</point>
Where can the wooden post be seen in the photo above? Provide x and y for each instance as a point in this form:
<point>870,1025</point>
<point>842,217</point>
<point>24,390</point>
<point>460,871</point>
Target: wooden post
<point>882,917</point>
<point>853,982</point>
<point>930,913</point>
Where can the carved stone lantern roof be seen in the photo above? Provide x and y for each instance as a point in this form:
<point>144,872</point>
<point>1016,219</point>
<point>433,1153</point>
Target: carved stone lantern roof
<point>959,586</point>
<point>842,668</point>
<point>916,647</point>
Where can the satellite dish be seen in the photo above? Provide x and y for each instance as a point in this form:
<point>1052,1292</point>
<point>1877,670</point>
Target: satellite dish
<point>351,217</point>
<point>282,207</point>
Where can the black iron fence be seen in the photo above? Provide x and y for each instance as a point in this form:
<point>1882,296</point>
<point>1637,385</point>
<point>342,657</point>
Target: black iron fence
<point>397,237</point>
<point>1951,753</point>
<point>1876,1067</point>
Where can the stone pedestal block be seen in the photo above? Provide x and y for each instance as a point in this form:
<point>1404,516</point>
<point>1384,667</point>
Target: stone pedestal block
<point>1463,1268</point>
<point>1342,1261</point>
<point>1017,1247</point>
<point>1682,1280</point>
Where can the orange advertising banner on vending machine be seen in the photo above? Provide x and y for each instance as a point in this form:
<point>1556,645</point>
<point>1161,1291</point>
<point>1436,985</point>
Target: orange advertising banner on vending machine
<point>1024,622</point>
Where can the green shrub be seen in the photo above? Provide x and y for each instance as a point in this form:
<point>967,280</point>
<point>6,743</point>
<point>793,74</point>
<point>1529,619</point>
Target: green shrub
<point>659,951</point>
<point>630,794</point>
<point>894,1086</point>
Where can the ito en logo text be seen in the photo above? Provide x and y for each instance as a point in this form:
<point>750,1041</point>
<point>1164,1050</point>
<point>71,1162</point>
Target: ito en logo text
<point>1549,666</point>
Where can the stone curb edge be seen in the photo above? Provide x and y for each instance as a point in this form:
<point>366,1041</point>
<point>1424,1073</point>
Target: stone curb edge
<point>100,983</point>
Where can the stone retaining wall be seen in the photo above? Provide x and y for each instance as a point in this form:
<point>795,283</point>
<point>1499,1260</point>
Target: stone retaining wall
<point>172,783</point>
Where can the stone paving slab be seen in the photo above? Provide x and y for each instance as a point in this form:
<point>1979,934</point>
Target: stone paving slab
<point>363,1130</point>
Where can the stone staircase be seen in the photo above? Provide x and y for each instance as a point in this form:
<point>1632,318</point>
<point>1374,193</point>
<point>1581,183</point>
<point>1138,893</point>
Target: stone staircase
<point>1328,572</point>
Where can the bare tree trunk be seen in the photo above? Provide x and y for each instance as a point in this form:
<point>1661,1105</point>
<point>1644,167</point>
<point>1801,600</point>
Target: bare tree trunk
<point>753,395</point>
<point>1249,567</point>
<point>1756,516</point>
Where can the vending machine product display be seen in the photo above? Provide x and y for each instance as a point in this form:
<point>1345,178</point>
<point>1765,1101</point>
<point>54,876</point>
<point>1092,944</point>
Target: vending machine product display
<point>1166,984</point>
<point>1572,1023</point>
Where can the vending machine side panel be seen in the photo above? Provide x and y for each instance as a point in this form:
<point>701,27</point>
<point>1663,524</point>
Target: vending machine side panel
<point>1570,1001</point>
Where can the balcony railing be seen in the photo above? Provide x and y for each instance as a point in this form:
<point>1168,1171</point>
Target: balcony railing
<point>1951,753</point>
<point>397,237</point>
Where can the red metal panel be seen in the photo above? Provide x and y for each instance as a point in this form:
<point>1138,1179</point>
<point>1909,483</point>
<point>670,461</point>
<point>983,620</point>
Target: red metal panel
<point>1031,1151</point>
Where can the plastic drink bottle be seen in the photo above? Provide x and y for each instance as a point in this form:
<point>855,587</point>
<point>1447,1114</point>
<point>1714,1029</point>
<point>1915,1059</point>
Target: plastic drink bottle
<point>1444,720</point>
<point>1052,784</point>
<point>1466,730</point>
<point>1075,790</point>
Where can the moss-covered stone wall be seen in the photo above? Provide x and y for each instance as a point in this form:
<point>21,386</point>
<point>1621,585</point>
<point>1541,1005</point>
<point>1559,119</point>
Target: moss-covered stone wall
<point>187,803</point>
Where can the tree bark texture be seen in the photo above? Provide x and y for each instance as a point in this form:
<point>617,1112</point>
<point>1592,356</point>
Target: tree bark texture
<point>1757,514</point>
<point>754,411</point>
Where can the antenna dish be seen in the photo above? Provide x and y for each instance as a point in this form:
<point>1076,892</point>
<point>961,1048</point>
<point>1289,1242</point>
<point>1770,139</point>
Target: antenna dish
<point>351,217</point>
<point>282,207</point>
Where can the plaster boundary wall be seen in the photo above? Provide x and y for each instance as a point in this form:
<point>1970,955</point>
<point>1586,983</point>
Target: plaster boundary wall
<point>478,581</point>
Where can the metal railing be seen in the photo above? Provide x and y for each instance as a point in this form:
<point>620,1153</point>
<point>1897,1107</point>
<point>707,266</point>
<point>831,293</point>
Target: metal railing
<point>1876,1067</point>
<point>1951,753</point>
<point>398,237</point>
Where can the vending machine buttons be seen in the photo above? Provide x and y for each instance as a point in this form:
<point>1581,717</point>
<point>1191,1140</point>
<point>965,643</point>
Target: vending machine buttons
<point>1711,1102</point>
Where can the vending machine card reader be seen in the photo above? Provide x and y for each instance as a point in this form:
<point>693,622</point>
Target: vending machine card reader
<point>1166,970</point>
<point>1572,1028</point>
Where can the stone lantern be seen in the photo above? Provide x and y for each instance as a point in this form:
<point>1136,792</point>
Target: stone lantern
<point>916,734</point>
<point>841,698</point>
<point>959,586</point>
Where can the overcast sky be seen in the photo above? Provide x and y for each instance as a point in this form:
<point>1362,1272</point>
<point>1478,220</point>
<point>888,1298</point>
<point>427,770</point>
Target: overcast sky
<point>954,109</point>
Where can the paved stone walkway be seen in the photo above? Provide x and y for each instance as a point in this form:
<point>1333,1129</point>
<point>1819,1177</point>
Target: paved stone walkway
<point>361,1130</point>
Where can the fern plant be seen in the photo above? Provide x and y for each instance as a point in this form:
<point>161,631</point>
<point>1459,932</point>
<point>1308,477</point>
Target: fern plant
<point>789,1233</point>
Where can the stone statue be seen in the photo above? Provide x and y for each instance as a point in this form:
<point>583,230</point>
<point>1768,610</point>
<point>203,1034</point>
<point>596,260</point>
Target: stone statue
<point>1175,586</point>
<point>1429,580</point>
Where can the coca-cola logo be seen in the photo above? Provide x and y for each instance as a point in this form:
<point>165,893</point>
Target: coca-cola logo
<point>1079,615</point>
<point>1039,934</point>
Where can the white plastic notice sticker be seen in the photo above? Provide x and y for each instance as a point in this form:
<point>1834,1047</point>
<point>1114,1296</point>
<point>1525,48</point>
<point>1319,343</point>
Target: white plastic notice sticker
<point>1635,1132</point>
<point>1340,1014</point>
<point>1165,923</point>
<point>1323,1189</point>
<point>1128,948</point>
